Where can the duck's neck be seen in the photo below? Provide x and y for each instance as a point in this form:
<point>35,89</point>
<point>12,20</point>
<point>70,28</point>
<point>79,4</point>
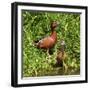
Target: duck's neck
<point>54,35</point>
<point>62,49</point>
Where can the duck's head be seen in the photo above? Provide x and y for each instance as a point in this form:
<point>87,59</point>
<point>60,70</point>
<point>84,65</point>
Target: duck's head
<point>54,24</point>
<point>62,43</point>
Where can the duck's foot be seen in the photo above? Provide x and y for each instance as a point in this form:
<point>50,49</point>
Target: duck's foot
<point>65,68</point>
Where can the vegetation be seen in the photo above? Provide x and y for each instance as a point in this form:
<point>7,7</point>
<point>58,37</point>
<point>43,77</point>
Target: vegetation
<point>36,25</point>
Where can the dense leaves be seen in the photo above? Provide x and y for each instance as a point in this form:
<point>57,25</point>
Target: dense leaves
<point>36,25</point>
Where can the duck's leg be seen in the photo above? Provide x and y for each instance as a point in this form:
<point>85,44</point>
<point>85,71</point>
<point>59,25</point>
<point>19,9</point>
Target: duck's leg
<point>65,67</point>
<point>48,55</point>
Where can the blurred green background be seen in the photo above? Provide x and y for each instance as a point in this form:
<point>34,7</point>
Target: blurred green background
<point>36,25</point>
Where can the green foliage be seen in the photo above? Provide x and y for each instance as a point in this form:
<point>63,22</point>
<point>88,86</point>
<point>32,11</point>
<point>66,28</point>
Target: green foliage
<point>36,25</point>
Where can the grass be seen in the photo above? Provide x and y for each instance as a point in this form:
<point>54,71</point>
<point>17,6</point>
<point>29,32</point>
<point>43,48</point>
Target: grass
<point>36,25</point>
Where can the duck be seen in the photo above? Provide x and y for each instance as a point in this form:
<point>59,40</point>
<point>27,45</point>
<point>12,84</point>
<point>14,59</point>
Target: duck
<point>61,56</point>
<point>49,41</point>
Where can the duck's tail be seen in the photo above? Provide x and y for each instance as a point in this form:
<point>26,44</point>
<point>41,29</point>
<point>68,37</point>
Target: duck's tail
<point>35,43</point>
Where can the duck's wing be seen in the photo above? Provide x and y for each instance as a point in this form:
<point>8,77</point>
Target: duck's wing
<point>45,42</point>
